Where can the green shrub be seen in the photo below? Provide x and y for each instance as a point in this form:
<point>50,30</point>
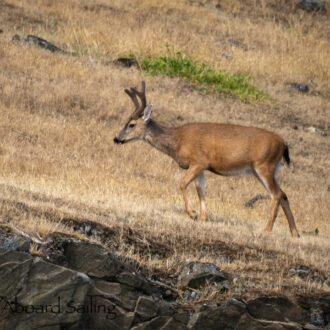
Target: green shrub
<point>180,65</point>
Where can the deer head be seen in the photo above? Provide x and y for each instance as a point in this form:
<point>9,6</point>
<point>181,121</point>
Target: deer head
<point>135,128</point>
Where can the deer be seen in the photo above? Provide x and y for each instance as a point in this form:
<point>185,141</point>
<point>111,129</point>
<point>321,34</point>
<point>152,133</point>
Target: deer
<point>223,149</point>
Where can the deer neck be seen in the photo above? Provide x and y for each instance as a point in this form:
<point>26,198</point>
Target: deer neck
<point>162,138</point>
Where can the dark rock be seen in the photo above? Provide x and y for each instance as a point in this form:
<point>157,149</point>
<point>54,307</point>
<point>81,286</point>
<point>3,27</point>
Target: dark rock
<point>300,87</point>
<point>311,5</point>
<point>126,62</point>
<point>92,260</point>
<point>275,309</point>
<point>164,308</point>
<point>38,42</point>
<point>14,267</point>
<point>120,294</point>
<point>97,263</point>
<point>317,316</point>
<point>130,279</point>
<point>15,242</point>
<point>196,274</point>
<point>145,308</point>
<point>224,317</point>
<point>182,317</point>
<point>1,31</point>
<point>173,324</point>
<point>318,309</point>
<point>100,313</point>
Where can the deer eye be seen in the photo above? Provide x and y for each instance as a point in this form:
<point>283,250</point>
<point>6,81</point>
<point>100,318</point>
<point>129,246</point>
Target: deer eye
<point>131,125</point>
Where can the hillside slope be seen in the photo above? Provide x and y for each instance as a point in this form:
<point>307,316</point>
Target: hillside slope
<point>59,168</point>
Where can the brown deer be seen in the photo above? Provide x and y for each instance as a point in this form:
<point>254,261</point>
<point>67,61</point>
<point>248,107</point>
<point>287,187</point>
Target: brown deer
<point>223,149</point>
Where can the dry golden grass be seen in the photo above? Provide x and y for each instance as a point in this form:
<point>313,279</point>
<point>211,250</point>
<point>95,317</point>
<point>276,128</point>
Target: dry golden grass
<point>59,114</point>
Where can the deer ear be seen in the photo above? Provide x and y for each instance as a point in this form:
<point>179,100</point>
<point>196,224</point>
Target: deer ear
<point>147,112</point>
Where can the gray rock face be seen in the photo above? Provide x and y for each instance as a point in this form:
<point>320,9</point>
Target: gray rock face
<point>38,294</point>
<point>196,274</point>
<point>275,309</point>
<point>92,260</point>
<point>145,308</point>
<point>224,317</point>
<point>99,292</point>
<point>120,294</point>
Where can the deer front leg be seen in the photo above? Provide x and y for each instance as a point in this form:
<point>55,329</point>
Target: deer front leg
<point>200,187</point>
<point>192,173</point>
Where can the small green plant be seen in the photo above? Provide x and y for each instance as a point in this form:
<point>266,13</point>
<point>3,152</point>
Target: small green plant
<point>180,65</point>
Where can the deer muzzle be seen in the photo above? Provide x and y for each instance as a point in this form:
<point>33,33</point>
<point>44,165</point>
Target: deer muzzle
<point>117,141</point>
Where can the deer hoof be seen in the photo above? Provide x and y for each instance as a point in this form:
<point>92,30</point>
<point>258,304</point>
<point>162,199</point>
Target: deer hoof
<point>193,215</point>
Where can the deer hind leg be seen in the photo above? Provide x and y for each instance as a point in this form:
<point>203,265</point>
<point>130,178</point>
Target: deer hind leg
<point>267,177</point>
<point>286,208</point>
<point>193,172</point>
<point>200,187</point>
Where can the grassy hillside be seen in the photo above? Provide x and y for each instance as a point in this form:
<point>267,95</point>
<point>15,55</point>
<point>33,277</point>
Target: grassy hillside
<point>59,114</point>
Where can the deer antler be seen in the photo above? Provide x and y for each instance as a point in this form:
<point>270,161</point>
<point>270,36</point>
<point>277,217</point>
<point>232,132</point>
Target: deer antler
<point>142,96</point>
<point>134,99</point>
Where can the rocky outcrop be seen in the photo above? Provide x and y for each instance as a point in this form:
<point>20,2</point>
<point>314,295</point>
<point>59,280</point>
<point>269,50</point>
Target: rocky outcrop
<point>95,290</point>
<point>38,42</point>
<point>82,286</point>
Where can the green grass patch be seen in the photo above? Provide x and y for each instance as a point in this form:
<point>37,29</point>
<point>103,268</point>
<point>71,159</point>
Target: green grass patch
<point>179,65</point>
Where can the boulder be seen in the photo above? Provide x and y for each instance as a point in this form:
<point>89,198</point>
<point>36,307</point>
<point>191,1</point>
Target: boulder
<point>197,274</point>
<point>92,260</point>
<point>311,5</point>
